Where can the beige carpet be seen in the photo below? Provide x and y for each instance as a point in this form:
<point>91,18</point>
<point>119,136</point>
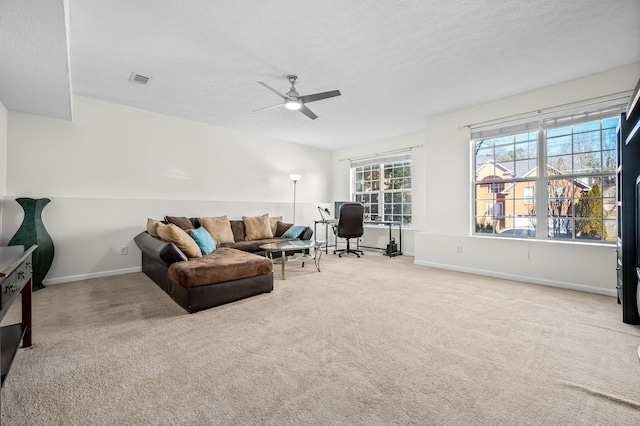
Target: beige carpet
<point>370,341</point>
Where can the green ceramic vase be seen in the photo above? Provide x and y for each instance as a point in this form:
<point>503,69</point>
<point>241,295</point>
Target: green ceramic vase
<point>32,231</point>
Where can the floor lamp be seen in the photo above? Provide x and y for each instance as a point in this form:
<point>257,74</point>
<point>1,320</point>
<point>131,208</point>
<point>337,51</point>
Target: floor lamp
<point>295,178</point>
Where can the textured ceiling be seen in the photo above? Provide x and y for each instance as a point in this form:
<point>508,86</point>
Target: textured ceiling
<point>34,59</point>
<point>396,62</point>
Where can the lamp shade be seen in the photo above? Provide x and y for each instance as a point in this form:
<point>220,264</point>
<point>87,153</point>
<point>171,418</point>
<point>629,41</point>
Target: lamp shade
<point>295,177</point>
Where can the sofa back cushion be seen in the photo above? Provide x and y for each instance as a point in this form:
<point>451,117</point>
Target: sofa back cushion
<point>274,223</point>
<point>180,221</point>
<point>237,227</point>
<point>219,228</point>
<point>257,227</point>
<point>281,228</point>
<point>152,226</point>
<point>180,238</point>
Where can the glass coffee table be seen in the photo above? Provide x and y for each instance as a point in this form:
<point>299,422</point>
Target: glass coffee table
<point>295,246</point>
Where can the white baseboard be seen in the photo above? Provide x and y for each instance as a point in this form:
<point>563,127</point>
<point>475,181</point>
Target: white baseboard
<point>522,278</point>
<point>72,278</point>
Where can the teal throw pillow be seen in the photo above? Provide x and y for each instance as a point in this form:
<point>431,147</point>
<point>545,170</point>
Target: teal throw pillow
<point>204,240</point>
<point>294,232</point>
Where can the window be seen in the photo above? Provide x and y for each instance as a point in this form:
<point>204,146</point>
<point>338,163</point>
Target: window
<point>581,165</point>
<point>495,188</point>
<point>505,168</point>
<point>528,195</point>
<point>383,185</point>
<point>494,210</point>
<point>573,157</point>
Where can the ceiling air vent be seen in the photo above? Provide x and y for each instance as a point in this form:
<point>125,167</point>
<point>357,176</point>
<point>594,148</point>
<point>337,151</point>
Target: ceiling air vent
<point>137,78</point>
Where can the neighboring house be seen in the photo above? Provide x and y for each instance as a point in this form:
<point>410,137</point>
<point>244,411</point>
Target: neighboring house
<point>490,196</point>
<point>503,205</point>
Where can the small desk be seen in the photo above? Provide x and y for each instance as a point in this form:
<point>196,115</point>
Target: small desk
<point>390,224</point>
<point>326,223</point>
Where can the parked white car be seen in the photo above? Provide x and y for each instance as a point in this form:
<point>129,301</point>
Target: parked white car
<point>519,232</point>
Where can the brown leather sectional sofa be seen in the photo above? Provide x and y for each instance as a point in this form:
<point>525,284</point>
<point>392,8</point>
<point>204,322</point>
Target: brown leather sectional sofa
<point>232,272</point>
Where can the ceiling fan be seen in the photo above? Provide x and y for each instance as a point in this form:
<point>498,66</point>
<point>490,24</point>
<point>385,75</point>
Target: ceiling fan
<point>295,102</point>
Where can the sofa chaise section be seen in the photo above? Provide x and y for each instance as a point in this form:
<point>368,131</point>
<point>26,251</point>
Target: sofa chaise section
<point>224,276</point>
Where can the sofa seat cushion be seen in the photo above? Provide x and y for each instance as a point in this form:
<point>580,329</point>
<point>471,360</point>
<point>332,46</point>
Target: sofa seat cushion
<point>254,246</point>
<point>224,264</point>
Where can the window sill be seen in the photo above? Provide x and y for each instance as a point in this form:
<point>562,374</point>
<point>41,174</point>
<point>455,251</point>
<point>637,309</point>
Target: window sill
<point>386,225</point>
<point>550,240</point>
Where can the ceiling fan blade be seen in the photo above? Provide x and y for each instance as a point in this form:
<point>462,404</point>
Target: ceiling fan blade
<point>269,107</point>
<point>306,111</point>
<point>274,90</point>
<point>319,96</point>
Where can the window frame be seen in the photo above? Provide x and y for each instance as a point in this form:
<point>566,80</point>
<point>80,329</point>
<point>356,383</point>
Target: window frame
<point>542,214</point>
<point>377,189</point>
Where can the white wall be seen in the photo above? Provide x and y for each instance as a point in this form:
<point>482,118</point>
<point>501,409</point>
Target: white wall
<point>442,215</point>
<point>114,166</point>
<point>4,117</point>
<point>448,218</point>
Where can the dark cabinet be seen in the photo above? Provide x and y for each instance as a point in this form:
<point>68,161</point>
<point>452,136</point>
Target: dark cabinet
<point>15,280</point>
<point>628,178</point>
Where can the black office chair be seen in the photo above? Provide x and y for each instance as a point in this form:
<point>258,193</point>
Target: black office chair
<point>350,225</point>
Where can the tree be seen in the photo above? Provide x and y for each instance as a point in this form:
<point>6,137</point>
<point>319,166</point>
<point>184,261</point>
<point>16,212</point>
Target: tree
<point>560,206</point>
<point>590,207</point>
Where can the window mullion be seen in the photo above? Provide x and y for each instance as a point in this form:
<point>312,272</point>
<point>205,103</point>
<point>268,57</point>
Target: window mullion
<point>542,182</point>
<point>381,191</point>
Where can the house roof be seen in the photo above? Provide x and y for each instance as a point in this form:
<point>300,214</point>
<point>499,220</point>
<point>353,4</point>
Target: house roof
<point>557,175</point>
<point>396,62</point>
<point>493,165</point>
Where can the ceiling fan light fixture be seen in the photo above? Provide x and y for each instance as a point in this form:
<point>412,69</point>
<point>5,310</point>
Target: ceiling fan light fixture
<point>292,104</point>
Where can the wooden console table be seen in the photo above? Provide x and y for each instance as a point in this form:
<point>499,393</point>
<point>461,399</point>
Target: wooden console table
<point>15,278</point>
